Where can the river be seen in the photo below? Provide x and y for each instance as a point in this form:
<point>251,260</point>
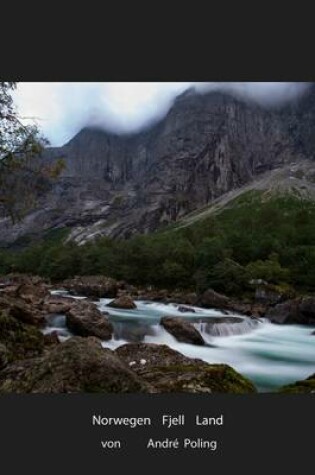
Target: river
<point>268,354</point>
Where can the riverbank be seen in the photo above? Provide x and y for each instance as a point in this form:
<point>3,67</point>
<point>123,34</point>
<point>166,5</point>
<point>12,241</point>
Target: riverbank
<point>38,327</point>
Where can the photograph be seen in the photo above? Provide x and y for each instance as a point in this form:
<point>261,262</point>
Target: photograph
<point>157,237</point>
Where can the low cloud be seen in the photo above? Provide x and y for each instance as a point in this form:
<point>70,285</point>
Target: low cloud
<point>264,93</point>
<point>62,109</point>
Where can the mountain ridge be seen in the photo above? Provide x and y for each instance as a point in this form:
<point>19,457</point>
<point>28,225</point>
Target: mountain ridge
<point>206,145</point>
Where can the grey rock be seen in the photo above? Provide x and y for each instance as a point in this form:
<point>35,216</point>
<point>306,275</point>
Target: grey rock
<point>206,146</point>
<point>124,302</point>
<point>184,309</point>
<point>182,330</point>
<point>78,365</point>
<point>4,356</point>
<point>98,286</point>
<point>212,299</point>
<point>19,340</point>
<point>300,311</point>
<point>84,319</point>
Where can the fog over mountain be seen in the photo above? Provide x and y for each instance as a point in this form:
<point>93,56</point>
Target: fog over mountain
<point>62,109</point>
<point>207,144</point>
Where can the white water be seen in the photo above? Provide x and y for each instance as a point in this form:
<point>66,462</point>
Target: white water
<point>227,329</point>
<point>270,355</point>
<point>156,310</point>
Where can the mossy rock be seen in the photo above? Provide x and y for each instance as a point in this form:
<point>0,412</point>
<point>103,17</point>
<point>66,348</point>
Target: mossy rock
<point>21,310</point>
<point>21,340</point>
<point>300,387</point>
<point>211,379</point>
<point>78,365</point>
<point>168,370</point>
<point>3,356</point>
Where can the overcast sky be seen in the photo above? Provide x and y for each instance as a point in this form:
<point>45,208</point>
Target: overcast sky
<point>62,109</point>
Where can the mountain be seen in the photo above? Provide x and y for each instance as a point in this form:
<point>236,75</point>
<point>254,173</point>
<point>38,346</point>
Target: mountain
<point>295,181</point>
<point>207,146</point>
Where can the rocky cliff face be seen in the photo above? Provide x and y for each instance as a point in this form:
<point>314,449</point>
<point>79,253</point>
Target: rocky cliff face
<point>207,145</point>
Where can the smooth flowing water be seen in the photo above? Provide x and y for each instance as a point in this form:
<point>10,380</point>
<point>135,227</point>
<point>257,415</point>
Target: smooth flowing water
<point>270,355</point>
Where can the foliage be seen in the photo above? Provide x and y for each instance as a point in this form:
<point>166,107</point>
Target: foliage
<point>22,173</point>
<point>255,238</point>
<point>269,270</point>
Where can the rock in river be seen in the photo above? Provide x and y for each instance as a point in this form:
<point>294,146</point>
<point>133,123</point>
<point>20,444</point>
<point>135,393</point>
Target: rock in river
<point>182,330</point>
<point>124,302</point>
<point>84,319</point>
<point>57,304</point>
<point>185,309</point>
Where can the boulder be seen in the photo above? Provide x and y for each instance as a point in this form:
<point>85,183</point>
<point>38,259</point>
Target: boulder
<point>185,298</point>
<point>9,289</point>
<point>155,295</point>
<point>267,294</point>
<point>212,299</point>
<point>252,309</point>
<point>84,319</point>
<point>96,286</point>
<point>32,294</point>
<point>4,356</point>
<point>184,309</point>
<point>56,304</point>
<point>21,340</point>
<point>166,296</point>
<point>77,365</point>
<point>16,279</point>
<point>182,330</point>
<point>271,294</point>
<point>300,311</point>
<point>124,302</point>
<point>283,313</point>
<point>300,387</point>
<point>51,339</point>
<point>31,289</point>
<point>19,309</point>
<point>169,371</point>
<point>23,298</point>
<point>307,311</point>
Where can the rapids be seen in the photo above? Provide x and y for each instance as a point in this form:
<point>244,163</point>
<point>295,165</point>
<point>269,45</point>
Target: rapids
<point>268,354</point>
